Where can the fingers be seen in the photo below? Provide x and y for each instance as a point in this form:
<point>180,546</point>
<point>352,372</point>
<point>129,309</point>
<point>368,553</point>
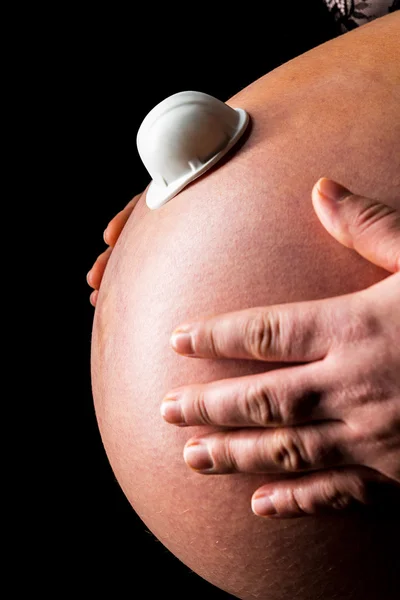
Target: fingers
<point>323,492</point>
<point>300,332</point>
<point>367,226</point>
<point>111,236</point>
<point>116,225</point>
<point>282,450</point>
<point>96,273</point>
<point>278,398</point>
<point>93,297</point>
<point>297,332</point>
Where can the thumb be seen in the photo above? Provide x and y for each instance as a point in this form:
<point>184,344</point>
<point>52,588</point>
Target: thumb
<point>367,226</point>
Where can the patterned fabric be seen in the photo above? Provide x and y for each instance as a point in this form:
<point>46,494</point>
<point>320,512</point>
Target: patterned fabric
<point>350,14</point>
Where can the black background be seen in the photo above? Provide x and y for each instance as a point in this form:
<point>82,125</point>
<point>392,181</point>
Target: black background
<point>110,68</point>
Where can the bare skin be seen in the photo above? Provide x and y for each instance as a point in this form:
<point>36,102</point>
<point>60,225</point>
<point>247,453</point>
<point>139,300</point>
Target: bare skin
<point>351,375</point>
<point>373,230</point>
<point>246,235</point>
<point>111,235</point>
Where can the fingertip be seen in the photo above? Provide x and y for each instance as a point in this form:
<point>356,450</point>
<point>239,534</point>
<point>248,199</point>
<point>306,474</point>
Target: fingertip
<point>262,505</point>
<point>319,183</point>
<point>93,297</point>
<point>331,190</point>
<point>317,195</point>
<point>182,343</point>
<point>326,208</point>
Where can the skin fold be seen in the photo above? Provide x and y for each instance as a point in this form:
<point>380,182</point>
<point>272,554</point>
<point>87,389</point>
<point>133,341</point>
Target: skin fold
<point>244,235</point>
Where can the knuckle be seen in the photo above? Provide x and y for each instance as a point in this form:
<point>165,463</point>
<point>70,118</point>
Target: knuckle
<point>298,504</point>
<point>358,400</point>
<point>359,491</point>
<point>339,497</point>
<point>289,452</point>
<point>359,323</point>
<point>339,500</point>
<point>228,457</point>
<point>368,216</point>
<point>212,343</point>
<point>263,333</point>
<point>260,407</point>
<point>200,407</point>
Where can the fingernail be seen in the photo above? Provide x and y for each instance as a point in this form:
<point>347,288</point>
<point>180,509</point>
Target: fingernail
<point>89,276</point>
<point>332,190</point>
<point>198,457</point>
<point>171,410</point>
<point>105,235</point>
<point>263,506</point>
<point>182,342</point>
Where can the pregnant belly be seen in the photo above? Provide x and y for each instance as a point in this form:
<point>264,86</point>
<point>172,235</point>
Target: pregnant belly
<point>244,235</point>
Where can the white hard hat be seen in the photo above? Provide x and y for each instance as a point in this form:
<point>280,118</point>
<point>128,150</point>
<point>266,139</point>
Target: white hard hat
<point>182,137</point>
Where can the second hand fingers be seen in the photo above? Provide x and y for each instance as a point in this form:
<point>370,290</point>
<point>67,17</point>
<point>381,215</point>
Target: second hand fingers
<point>93,297</point>
<point>116,225</point>
<point>96,273</point>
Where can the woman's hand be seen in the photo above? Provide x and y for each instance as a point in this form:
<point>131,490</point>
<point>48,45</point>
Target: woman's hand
<point>111,235</point>
<point>334,420</point>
